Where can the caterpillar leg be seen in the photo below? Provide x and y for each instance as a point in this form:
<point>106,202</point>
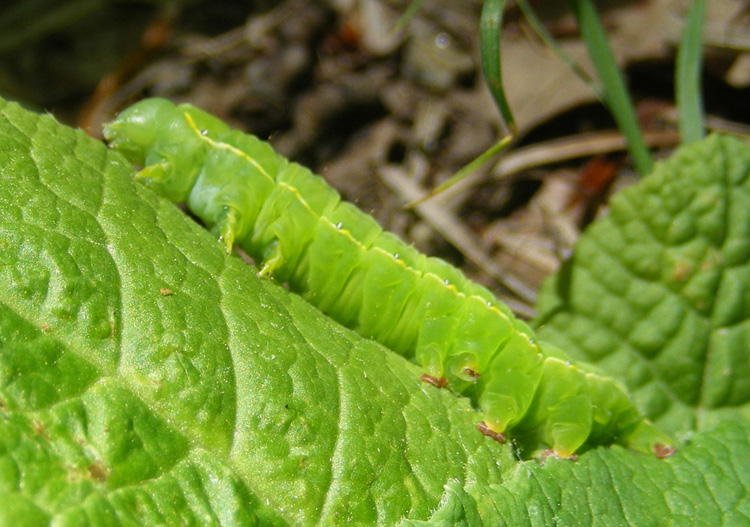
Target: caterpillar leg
<point>228,227</point>
<point>431,358</point>
<point>272,260</point>
<point>646,438</point>
<point>439,382</point>
<point>509,383</point>
<point>551,453</point>
<point>569,425</point>
<point>562,410</point>
<point>158,173</point>
<point>440,318</point>
<point>283,230</point>
<point>614,415</point>
<point>486,430</point>
<point>663,451</point>
<point>545,400</point>
<point>480,331</point>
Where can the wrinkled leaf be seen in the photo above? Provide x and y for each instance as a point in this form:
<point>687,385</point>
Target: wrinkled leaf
<point>658,292</point>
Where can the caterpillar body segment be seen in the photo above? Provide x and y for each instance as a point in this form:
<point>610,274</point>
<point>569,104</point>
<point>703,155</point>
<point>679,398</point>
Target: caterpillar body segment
<point>338,258</point>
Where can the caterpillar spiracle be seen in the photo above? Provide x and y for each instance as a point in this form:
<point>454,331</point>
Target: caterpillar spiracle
<point>338,258</point>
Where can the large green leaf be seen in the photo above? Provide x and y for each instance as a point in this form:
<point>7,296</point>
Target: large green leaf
<point>658,292</point>
<point>147,378</point>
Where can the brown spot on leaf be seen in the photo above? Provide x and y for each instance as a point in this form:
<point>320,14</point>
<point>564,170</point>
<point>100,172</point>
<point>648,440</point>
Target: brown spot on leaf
<point>681,271</point>
<point>97,472</point>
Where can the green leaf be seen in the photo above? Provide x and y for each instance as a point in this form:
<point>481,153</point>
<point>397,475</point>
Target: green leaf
<point>146,378</point>
<point>658,292</point>
<point>147,371</point>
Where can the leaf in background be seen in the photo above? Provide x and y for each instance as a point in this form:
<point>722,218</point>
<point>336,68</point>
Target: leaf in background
<point>148,379</point>
<point>658,292</point>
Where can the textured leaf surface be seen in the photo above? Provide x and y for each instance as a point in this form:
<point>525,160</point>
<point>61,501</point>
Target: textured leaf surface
<point>148,379</point>
<point>658,292</point>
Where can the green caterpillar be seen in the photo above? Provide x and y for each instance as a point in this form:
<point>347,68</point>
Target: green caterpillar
<point>340,260</point>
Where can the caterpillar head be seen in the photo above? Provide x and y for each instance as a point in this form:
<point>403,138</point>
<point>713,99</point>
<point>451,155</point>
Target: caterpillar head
<point>169,143</point>
<point>136,129</point>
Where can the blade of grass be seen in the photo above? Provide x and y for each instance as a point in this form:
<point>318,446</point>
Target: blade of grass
<point>490,23</point>
<point>465,171</point>
<point>615,93</point>
<point>688,75</point>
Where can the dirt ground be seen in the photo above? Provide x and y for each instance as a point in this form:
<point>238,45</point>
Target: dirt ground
<point>385,113</point>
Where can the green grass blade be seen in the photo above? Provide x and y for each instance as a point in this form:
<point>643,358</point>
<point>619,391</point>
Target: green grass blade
<point>490,23</point>
<point>615,93</point>
<point>483,158</point>
<point>688,75</point>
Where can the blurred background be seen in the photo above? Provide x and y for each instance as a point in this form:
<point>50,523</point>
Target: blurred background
<point>384,111</point>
